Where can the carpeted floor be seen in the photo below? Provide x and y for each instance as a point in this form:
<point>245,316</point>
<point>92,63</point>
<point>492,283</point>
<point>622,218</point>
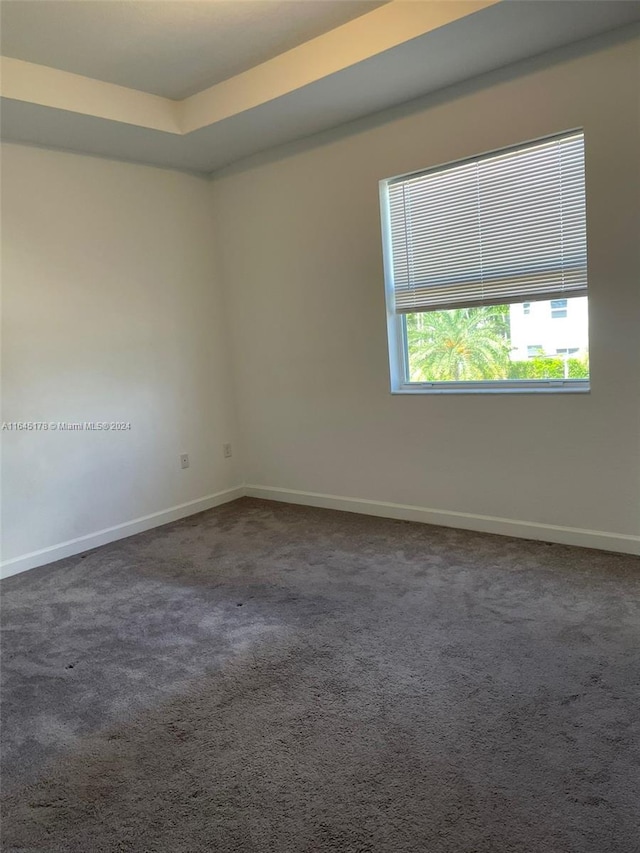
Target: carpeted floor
<point>265,678</point>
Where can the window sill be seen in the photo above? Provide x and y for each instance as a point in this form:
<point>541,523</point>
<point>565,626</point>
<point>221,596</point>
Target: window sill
<point>579,386</point>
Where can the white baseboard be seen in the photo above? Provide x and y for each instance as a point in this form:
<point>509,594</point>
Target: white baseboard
<point>619,542</point>
<point>120,531</point>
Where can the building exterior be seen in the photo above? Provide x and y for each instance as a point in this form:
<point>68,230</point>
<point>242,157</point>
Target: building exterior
<point>557,327</point>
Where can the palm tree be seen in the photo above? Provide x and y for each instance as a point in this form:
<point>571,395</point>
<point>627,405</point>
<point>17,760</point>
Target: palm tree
<point>459,344</point>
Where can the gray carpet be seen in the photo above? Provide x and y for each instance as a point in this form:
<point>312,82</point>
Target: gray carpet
<point>279,679</point>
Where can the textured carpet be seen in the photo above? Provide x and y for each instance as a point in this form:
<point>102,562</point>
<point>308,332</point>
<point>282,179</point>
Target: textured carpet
<point>279,679</point>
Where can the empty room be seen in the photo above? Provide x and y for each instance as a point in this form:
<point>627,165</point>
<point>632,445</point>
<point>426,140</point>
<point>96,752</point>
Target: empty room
<point>320,426</point>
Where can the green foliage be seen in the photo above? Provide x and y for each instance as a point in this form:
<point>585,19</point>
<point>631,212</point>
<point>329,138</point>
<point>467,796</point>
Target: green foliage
<point>460,344</point>
<point>549,367</point>
<point>474,344</point>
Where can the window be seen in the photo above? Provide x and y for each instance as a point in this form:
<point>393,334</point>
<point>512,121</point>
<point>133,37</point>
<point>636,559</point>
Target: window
<point>534,349</point>
<point>567,350</point>
<point>558,308</point>
<point>466,245</point>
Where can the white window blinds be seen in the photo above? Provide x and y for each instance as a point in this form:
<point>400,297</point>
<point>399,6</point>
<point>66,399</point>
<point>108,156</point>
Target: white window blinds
<point>503,228</point>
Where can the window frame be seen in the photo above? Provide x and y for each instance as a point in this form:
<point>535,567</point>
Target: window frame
<point>396,322</point>
<point>398,360</point>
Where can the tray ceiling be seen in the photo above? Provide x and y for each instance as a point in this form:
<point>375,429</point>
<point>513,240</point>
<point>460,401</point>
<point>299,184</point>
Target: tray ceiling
<point>171,48</point>
<point>390,54</point>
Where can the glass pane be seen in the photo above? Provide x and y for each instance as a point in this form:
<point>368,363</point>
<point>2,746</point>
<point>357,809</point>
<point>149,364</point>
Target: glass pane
<point>520,341</point>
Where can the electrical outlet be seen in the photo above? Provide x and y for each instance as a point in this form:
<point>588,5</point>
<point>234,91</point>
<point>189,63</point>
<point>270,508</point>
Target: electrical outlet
<point>184,460</point>
<point>226,449</point>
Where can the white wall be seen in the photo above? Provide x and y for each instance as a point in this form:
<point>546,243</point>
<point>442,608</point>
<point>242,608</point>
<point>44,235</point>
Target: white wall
<point>300,241</point>
<point>112,311</point>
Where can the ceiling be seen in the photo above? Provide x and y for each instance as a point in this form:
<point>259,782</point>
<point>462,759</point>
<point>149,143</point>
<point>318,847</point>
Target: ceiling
<point>171,48</point>
<point>198,85</point>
